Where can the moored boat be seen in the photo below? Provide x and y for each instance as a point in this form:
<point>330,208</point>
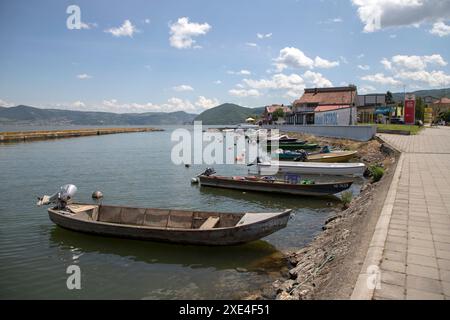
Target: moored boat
<point>313,168</point>
<point>274,186</point>
<point>296,146</point>
<point>165,225</point>
<point>335,156</point>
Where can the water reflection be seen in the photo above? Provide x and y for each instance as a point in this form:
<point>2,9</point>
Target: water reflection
<point>258,256</point>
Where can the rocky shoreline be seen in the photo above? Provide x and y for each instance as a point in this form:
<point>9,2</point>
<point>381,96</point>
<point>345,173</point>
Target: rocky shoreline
<point>325,268</point>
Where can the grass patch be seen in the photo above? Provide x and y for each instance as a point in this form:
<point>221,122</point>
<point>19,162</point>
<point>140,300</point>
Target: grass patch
<point>397,127</point>
<point>376,172</point>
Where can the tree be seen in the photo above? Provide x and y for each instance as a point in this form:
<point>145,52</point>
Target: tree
<point>420,109</point>
<point>277,114</point>
<point>389,98</point>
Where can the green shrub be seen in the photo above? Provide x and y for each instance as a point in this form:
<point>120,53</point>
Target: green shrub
<point>376,172</point>
<point>347,197</point>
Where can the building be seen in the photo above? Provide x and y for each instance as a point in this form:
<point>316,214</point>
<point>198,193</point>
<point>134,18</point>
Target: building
<point>429,100</point>
<point>370,106</point>
<point>440,106</point>
<point>325,106</point>
<point>268,117</point>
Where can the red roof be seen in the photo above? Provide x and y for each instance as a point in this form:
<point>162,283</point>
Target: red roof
<point>330,107</point>
<point>274,108</point>
<point>328,96</point>
<point>442,101</point>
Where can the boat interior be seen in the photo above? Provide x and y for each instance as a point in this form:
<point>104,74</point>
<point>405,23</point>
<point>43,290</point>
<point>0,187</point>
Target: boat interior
<point>155,218</point>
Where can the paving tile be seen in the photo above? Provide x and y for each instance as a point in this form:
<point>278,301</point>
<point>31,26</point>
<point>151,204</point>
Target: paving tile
<point>443,264</point>
<point>395,266</point>
<point>421,251</point>
<point>413,294</point>
<point>397,233</point>
<point>394,256</point>
<point>422,271</point>
<point>389,291</point>
<point>421,243</point>
<point>443,254</point>
<point>424,284</point>
<point>446,288</point>
<point>395,278</point>
<point>422,260</point>
<point>395,239</point>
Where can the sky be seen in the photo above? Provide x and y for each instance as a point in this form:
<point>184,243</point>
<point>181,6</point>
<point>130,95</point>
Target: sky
<point>192,55</point>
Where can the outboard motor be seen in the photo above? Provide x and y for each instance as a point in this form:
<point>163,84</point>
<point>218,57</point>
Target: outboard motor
<point>302,157</point>
<point>61,198</point>
<point>209,172</point>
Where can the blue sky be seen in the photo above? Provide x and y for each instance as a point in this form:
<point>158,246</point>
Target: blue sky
<point>138,56</point>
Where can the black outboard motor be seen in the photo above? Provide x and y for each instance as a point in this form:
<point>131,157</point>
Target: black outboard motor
<point>302,157</point>
<point>209,172</point>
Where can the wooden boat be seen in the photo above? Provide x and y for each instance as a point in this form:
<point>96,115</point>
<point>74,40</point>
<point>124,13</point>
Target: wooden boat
<point>176,226</point>
<point>335,156</point>
<point>314,168</point>
<point>296,146</point>
<point>274,186</point>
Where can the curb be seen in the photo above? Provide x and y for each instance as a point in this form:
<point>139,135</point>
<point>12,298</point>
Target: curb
<point>370,271</point>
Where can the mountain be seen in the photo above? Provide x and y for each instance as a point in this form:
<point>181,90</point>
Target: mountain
<point>437,93</point>
<point>228,114</point>
<point>36,116</point>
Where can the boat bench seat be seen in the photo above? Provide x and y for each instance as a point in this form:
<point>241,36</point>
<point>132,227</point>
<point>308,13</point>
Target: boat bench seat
<point>210,223</point>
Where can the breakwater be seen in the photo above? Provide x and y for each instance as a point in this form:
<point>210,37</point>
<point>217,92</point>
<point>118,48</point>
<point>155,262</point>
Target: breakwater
<point>17,136</point>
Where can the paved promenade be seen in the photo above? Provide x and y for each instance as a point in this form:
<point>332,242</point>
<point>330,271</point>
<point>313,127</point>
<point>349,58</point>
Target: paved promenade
<point>411,243</point>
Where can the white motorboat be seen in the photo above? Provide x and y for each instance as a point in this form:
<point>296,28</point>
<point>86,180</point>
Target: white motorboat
<point>314,168</point>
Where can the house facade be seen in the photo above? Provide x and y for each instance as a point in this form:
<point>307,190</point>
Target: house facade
<point>325,106</point>
<point>268,117</point>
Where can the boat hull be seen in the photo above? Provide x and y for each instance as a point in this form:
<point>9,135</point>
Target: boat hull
<point>285,188</point>
<point>313,168</point>
<point>343,156</point>
<point>295,146</point>
<point>211,237</point>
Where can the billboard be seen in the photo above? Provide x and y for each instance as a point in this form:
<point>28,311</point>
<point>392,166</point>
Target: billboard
<point>410,109</point>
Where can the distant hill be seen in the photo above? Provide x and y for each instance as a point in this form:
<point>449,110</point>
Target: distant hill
<point>437,93</point>
<point>228,114</point>
<point>36,116</point>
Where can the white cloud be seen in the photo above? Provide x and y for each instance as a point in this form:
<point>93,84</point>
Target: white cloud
<point>334,20</point>
<point>79,104</point>
<point>433,78</point>
<point>380,14</point>
<point>343,59</point>
<point>263,36</point>
<point>364,67</point>
<point>360,56</point>
<point>251,44</point>
<point>205,103</point>
<point>404,62</point>
<point>183,31</point>
<point>325,64</point>
<point>183,87</point>
<point>241,72</point>
<point>293,84</point>
<point>381,79</point>
<point>317,79</point>
<point>244,93</point>
<point>88,25</point>
<point>218,82</point>
<point>295,58</point>
<point>84,76</point>
<point>127,29</point>
<point>147,21</point>
<point>4,103</point>
<point>366,89</point>
<point>440,29</point>
<point>393,36</point>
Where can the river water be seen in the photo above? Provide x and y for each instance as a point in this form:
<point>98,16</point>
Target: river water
<point>135,170</point>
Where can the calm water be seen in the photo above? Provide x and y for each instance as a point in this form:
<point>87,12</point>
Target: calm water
<point>136,170</point>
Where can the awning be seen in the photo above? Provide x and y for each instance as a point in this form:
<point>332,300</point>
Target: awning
<point>330,107</point>
<point>384,110</point>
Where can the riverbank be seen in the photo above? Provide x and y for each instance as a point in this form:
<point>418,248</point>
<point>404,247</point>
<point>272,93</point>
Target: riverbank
<point>328,267</point>
<point>17,136</point>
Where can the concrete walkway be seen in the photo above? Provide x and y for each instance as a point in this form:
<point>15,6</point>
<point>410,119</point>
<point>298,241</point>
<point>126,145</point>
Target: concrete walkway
<point>411,244</point>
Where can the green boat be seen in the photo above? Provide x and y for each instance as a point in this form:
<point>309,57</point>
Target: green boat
<point>295,146</point>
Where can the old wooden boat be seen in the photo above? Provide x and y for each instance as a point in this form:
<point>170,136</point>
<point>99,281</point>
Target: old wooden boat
<point>274,186</point>
<point>313,168</point>
<point>175,226</point>
<point>335,156</point>
<point>296,146</point>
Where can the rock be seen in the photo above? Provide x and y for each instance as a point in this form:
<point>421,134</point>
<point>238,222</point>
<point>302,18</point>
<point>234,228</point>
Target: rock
<point>284,296</point>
